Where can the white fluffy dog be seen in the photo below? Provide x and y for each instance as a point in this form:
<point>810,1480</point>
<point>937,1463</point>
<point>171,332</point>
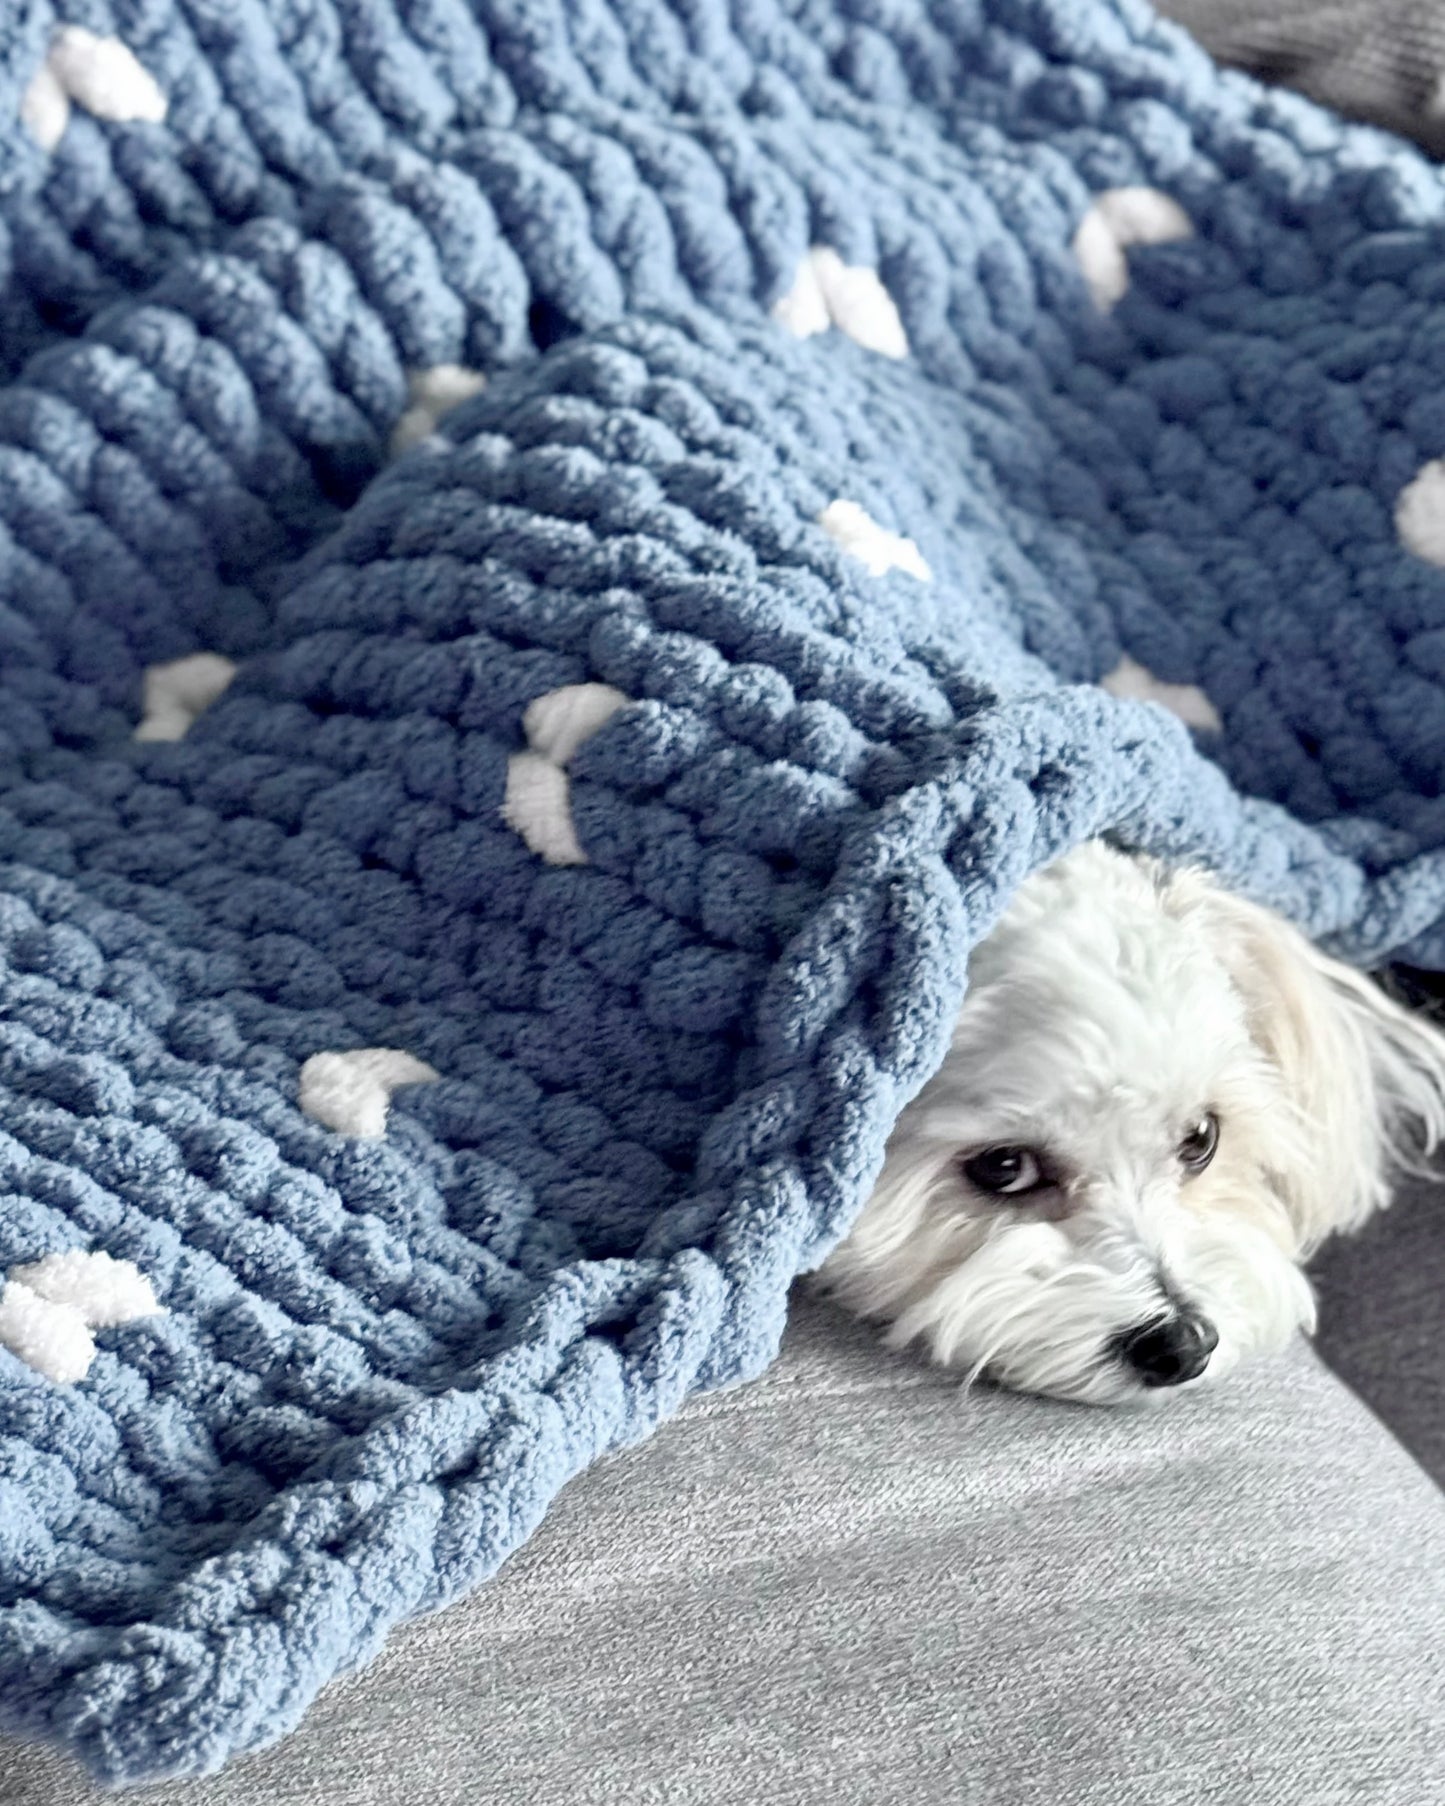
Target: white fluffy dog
<point>1159,1099</point>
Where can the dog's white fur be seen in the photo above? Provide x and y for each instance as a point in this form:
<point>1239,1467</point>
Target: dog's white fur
<point>1116,1004</point>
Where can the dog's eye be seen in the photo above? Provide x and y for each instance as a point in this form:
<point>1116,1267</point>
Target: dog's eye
<point>1197,1148</point>
<point>1004,1171</point>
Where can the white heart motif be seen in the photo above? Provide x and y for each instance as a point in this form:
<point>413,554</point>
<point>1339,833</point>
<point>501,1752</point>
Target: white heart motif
<point>351,1092</point>
<point>862,538</point>
<point>1119,218</point>
<point>828,292</point>
<point>102,75</point>
<point>1420,513</point>
<point>538,802</point>
<point>432,393</point>
<point>177,692</point>
<point>49,1308</point>
<point>1135,682</point>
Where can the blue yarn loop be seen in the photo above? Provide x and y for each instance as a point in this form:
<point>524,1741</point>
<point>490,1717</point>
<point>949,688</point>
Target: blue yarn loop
<point>665,1074</point>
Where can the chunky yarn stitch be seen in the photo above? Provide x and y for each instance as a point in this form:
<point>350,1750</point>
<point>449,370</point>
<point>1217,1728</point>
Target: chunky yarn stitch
<point>469,922</point>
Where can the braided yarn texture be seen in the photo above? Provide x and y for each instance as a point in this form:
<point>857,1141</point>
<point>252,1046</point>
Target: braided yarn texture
<point>559,561</point>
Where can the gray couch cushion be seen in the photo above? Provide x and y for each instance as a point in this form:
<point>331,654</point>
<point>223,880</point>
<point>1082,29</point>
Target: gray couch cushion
<point>1382,1319</point>
<point>848,1583</point>
<point>1379,60</point>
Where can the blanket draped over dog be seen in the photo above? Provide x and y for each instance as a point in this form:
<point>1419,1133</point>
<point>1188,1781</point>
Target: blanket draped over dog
<point>475,896</point>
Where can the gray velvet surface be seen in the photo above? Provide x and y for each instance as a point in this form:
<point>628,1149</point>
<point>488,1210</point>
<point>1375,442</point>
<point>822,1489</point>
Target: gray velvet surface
<point>850,1583</point>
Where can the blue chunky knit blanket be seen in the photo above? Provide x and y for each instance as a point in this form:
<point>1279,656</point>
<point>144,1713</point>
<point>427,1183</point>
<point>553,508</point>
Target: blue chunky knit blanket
<point>478,886</point>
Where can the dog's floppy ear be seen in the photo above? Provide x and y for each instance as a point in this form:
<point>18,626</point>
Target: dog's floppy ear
<point>1366,1078</point>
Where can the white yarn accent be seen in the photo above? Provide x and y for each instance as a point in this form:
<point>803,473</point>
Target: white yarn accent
<point>433,392</point>
<point>861,537</point>
<point>803,311</point>
<point>556,724</point>
<point>1420,513</point>
<point>828,292</point>
<point>538,803</point>
<point>1133,682</point>
<point>51,1338</point>
<point>45,108</point>
<point>177,692</point>
<point>104,76</point>
<point>858,303</point>
<point>102,1289</point>
<point>1121,217</point>
<point>48,1309</point>
<point>351,1092</point>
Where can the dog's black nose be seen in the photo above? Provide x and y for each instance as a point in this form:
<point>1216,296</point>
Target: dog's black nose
<point>1169,1350</point>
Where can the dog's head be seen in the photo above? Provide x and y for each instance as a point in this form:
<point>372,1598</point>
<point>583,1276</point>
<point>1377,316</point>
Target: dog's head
<point>1159,1099</point>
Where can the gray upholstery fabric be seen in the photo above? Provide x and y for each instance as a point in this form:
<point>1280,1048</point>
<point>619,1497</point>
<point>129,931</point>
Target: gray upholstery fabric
<point>1382,1319</point>
<point>848,1583</point>
<point>1377,60</point>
